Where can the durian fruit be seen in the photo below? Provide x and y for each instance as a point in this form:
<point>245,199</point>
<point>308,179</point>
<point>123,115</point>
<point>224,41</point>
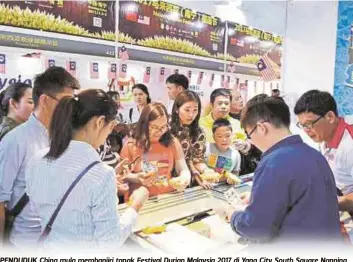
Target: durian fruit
<point>211,176</point>
<point>249,59</point>
<point>174,182</point>
<point>173,44</point>
<point>154,230</point>
<point>231,178</point>
<point>229,57</point>
<point>41,20</point>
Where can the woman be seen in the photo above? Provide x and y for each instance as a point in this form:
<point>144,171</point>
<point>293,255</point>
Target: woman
<point>16,105</point>
<point>185,126</point>
<point>89,217</point>
<point>141,99</point>
<point>236,105</point>
<point>116,97</point>
<point>156,153</point>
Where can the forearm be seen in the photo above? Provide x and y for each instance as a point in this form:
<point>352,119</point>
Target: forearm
<point>183,170</point>
<point>200,167</point>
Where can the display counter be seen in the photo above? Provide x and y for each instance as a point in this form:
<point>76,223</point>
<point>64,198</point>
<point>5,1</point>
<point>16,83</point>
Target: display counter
<point>188,219</point>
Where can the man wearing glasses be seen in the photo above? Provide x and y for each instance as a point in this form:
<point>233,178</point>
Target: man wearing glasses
<point>293,196</point>
<point>17,148</point>
<point>318,117</point>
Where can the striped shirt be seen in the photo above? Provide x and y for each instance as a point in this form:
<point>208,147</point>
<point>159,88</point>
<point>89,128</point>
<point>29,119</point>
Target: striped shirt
<point>89,217</point>
<point>16,150</point>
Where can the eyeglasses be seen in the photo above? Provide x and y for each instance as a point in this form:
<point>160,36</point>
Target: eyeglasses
<point>251,132</point>
<point>308,125</point>
<point>248,135</point>
<point>161,129</point>
<point>53,97</point>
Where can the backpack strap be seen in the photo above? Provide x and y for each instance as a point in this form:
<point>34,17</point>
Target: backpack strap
<point>49,225</point>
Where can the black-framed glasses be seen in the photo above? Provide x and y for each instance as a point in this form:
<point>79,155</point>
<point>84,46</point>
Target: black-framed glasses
<point>308,125</point>
<point>248,135</point>
<point>52,97</point>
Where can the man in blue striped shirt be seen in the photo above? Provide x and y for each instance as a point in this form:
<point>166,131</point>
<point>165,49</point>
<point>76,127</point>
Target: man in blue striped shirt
<point>19,146</point>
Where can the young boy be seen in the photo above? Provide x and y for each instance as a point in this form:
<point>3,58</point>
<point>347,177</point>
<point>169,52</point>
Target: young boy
<point>221,156</point>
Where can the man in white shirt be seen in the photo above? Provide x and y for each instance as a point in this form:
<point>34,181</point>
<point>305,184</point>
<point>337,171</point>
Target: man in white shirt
<point>19,146</point>
<point>318,117</point>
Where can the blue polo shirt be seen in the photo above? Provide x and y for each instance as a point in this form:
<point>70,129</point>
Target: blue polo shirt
<point>293,197</point>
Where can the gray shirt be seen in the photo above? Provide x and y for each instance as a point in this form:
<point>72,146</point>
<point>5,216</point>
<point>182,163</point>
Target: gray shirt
<point>222,161</point>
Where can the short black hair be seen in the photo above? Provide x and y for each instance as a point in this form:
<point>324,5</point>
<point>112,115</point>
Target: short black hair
<point>221,122</point>
<point>53,81</point>
<point>113,94</point>
<point>220,92</point>
<point>265,108</point>
<point>179,80</point>
<point>276,90</point>
<point>317,102</point>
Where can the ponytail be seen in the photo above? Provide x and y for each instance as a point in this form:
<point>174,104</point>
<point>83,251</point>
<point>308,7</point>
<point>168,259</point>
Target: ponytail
<point>73,113</point>
<point>61,127</point>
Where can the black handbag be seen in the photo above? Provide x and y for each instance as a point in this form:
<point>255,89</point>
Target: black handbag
<point>10,215</point>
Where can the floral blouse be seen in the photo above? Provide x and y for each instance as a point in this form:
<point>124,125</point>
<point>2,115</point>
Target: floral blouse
<point>194,152</point>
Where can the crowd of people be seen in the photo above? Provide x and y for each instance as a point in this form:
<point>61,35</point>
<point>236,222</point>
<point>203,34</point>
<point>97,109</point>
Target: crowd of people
<point>55,138</point>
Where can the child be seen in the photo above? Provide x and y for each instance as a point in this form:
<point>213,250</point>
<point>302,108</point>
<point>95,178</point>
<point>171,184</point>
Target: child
<point>221,156</point>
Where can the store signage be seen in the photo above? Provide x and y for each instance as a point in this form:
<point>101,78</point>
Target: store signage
<point>55,44</point>
<point>85,48</point>
<point>247,45</point>
<point>94,19</point>
<point>162,25</point>
<point>5,81</point>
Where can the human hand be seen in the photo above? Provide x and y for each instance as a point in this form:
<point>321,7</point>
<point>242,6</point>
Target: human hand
<point>138,198</point>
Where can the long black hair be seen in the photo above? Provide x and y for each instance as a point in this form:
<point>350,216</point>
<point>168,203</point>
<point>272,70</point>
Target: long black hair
<point>14,91</point>
<point>144,89</point>
<point>182,98</point>
<point>73,113</point>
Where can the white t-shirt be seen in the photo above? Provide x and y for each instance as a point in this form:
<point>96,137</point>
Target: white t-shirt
<point>339,154</point>
<point>222,161</point>
<point>132,115</point>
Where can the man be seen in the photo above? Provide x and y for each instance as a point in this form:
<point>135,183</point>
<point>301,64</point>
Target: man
<point>21,144</point>
<point>317,115</point>
<point>221,99</point>
<point>293,194</point>
<point>176,83</point>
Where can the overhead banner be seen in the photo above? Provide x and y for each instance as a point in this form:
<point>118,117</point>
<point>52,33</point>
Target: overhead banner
<point>55,44</point>
<point>343,87</point>
<point>247,45</point>
<point>162,25</point>
<point>83,18</point>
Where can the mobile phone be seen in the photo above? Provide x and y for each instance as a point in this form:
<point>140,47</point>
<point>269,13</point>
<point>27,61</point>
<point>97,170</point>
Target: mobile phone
<point>133,161</point>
